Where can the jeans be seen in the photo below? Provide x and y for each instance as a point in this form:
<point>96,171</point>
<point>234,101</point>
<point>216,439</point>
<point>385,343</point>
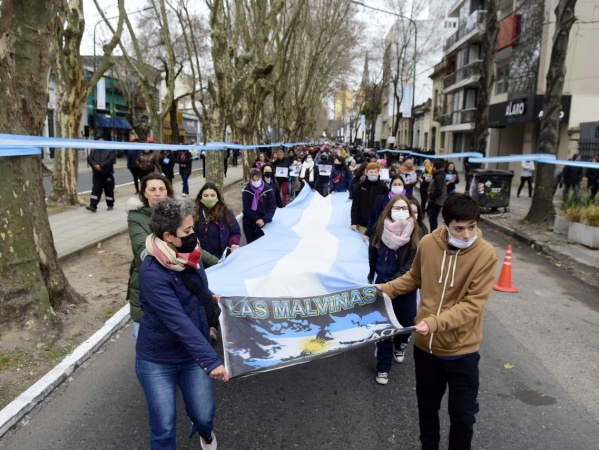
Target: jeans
<point>404,308</point>
<point>524,180</point>
<point>159,383</point>
<point>184,178</point>
<point>433,376</point>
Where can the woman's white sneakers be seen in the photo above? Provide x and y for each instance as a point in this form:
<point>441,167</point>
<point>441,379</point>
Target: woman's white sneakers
<point>208,446</point>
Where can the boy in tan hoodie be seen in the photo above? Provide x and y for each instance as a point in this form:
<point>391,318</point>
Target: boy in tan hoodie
<point>455,269</point>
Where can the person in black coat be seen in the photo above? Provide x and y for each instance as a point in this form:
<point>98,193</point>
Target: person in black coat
<point>166,159</point>
<point>364,196</point>
<point>258,206</point>
<point>593,179</point>
<point>102,163</point>
<point>571,177</point>
<point>132,166</point>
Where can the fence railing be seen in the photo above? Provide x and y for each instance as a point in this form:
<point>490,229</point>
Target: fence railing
<point>477,18</point>
<point>463,73</point>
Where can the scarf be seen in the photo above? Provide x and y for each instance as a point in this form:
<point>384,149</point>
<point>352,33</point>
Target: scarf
<point>171,259</point>
<point>257,193</point>
<point>397,234</point>
<point>307,167</point>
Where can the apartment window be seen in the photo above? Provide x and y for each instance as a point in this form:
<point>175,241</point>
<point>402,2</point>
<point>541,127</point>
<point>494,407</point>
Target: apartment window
<point>425,140</point>
<point>501,83</point>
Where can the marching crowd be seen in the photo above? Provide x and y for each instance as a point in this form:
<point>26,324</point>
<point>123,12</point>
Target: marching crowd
<point>173,240</point>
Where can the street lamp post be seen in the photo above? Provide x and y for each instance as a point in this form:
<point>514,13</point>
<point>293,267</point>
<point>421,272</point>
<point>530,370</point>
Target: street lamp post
<point>413,23</point>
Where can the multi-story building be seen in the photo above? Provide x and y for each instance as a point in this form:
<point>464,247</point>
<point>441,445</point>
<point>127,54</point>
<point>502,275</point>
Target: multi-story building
<point>526,30</point>
<point>522,61</point>
<point>461,67</point>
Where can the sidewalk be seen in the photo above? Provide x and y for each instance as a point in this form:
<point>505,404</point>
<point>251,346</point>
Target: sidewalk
<point>583,262</point>
<point>78,229</point>
<point>74,231</point>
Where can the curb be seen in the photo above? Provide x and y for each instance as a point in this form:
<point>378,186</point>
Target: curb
<point>25,402</point>
<point>582,272</point>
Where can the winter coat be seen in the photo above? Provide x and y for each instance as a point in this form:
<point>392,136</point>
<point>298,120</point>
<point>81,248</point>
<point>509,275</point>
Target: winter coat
<point>167,164</point>
<point>451,186</point>
<point>215,237</point>
<point>183,158</point>
<point>340,179</point>
<point>389,264</point>
<point>455,286</point>
<point>266,205</point>
<point>365,194</point>
<point>138,223</point>
<point>528,168</point>
<point>277,191</point>
<point>132,158</point>
<point>379,204</point>
<point>285,162</point>
<point>437,190</point>
<point>106,159</point>
<point>571,175</point>
<point>146,162</point>
<point>174,328</point>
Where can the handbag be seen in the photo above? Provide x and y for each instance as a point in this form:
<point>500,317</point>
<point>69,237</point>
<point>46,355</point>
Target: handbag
<point>208,302</point>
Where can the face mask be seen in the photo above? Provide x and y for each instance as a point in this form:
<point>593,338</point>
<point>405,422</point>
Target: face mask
<point>267,174</point>
<point>398,190</point>
<point>399,215</point>
<point>209,202</point>
<point>373,178</point>
<point>257,184</point>
<point>324,158</point>
<point>188,243</point>
<point>308,160</point>
<point>458,243</point>
<point>338,166</point>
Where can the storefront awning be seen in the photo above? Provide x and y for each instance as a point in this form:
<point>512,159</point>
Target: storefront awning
<point>105,121</point>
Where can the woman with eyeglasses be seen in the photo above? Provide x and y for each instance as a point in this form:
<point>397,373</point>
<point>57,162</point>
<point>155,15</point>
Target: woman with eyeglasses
<point>391,253</point>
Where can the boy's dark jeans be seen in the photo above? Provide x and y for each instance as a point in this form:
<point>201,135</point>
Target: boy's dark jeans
<point>433,375</point>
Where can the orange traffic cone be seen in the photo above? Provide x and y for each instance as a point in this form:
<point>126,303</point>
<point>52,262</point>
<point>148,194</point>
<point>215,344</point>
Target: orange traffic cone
<point>505,278</point>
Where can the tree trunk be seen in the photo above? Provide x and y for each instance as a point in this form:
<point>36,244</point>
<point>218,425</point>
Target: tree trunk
<point>542,201</point>
<point>487,76</point>
<point>174,123</point>
<point>31,281</point>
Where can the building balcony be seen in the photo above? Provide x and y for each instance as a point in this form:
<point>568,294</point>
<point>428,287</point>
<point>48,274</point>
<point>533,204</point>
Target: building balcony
<point>453,7</point>
<point>475,26</point>
<point>464,76</point>
<point>458,120</point>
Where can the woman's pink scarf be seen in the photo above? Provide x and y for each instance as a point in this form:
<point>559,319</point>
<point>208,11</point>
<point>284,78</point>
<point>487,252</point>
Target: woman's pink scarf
<point>397,234</point>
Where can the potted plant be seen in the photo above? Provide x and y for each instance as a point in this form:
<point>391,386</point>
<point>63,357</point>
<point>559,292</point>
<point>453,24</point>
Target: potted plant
<point>584,221</point>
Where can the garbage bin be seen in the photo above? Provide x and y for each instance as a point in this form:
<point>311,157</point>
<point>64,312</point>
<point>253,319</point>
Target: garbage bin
<point>491,188</point>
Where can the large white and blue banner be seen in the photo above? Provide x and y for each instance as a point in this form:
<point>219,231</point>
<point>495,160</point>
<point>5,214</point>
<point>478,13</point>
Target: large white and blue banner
<point>300,292</point>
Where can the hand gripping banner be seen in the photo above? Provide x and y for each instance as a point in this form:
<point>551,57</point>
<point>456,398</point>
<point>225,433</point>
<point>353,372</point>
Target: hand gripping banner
<point>261,334</point>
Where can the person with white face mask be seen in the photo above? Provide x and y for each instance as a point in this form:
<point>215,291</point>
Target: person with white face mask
<point>364,196</point>
<point>396,188</point>
<point>455,269</point>
<point>259,206</point>
<point>391,253</point>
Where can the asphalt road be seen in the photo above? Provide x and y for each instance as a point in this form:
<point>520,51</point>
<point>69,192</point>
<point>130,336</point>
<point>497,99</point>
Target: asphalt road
<point>84,181</point>
<point>548,399</point>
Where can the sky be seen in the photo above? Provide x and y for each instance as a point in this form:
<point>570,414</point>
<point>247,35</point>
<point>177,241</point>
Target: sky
<point>374,21</point>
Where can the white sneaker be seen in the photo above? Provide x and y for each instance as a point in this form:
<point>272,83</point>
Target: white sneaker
<point>382,378</point>
<point>208,446</point>
<point>183,195</point>
<point>399,354</point>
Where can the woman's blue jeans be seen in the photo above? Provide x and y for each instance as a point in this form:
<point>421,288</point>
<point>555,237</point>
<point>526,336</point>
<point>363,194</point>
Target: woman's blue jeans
<point>184,178</point>
<point>159,382</point>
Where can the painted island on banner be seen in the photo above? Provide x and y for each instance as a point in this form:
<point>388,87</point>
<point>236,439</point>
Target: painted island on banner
<point>262,334</point>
